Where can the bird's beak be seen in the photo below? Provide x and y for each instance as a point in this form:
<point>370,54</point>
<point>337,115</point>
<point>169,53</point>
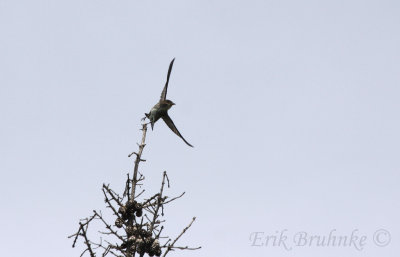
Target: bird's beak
<point>173,103</point>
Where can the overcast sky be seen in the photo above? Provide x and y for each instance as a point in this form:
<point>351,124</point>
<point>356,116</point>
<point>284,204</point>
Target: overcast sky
<point>292,106</point>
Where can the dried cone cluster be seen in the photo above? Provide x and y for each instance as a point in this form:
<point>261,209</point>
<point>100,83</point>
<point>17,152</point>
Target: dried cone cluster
<point>131,209</point>
<point>139,239</point>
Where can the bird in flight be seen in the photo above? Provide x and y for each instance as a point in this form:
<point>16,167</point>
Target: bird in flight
<point>160,110</point>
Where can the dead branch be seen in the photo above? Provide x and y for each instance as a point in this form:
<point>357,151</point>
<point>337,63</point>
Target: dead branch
<point>138,159</point>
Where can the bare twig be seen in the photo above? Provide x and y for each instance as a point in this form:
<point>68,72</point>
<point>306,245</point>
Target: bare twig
<point>159,202</point>
<point>87,242</point>
<point>77,234</point>
<point>113,195</point>
<point>172,199</point>
<point>110,205</point>
<point>108,226</point>
<point>171,246</point>
<point>138,159</point>
<point>127,188</point>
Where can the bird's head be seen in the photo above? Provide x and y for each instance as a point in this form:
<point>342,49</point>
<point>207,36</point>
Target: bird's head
<point>169,103</point>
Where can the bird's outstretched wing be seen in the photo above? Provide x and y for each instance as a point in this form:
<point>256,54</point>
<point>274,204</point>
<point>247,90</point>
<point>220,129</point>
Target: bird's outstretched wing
<point>164,92</point>
<point>171,125</point>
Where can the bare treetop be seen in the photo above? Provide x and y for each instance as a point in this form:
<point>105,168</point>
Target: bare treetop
<point>138,225</point>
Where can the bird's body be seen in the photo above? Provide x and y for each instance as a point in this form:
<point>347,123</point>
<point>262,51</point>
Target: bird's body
<point>160,110</point>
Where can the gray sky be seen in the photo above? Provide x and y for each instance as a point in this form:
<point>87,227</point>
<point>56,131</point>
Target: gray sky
<point>292,106</point>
